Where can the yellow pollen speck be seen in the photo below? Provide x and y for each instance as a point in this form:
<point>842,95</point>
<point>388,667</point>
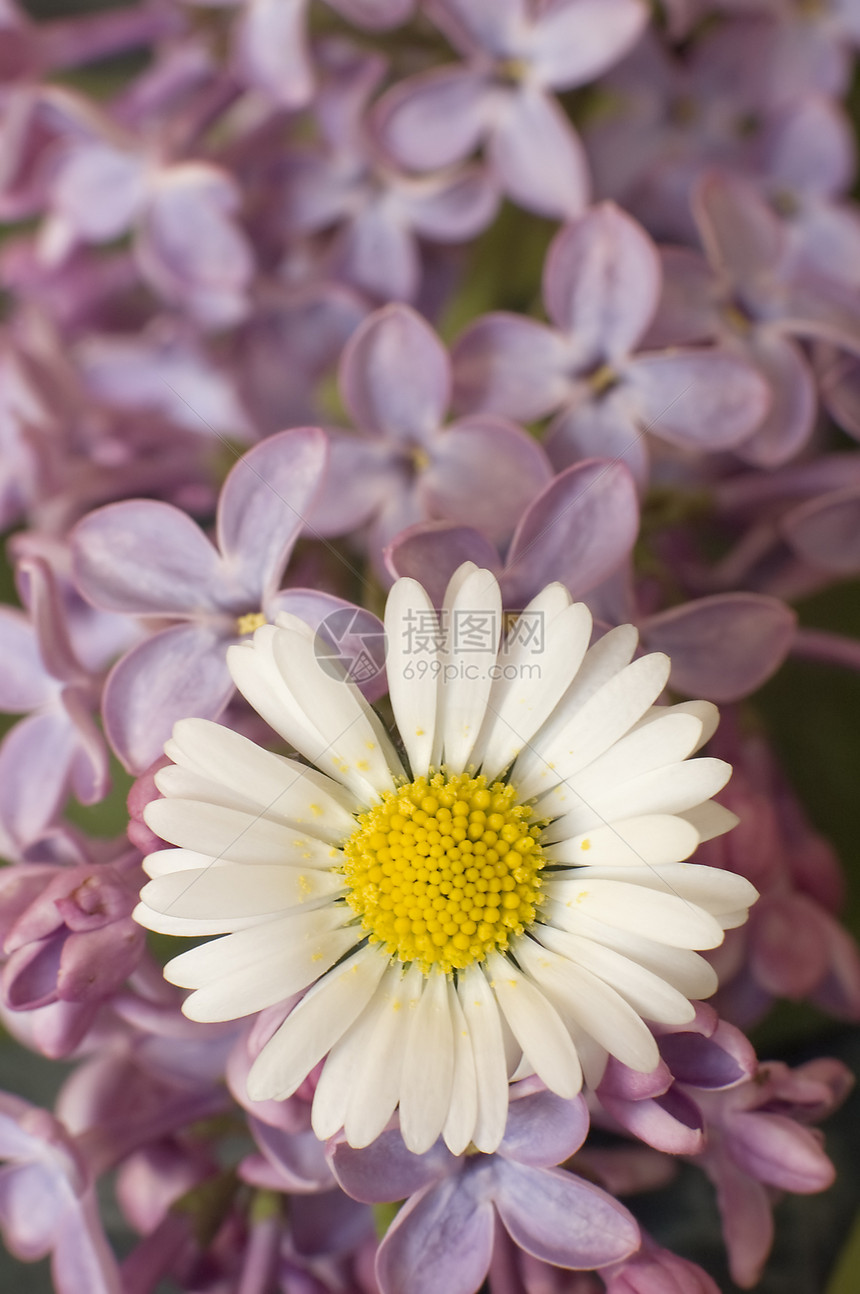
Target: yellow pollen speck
<point>316,810</point>
<point>247,624</point>
<point>371,745</point>
<point>419,732</point>
<point>586,844</point>
<point>362,765</point>
<point>444,870</point>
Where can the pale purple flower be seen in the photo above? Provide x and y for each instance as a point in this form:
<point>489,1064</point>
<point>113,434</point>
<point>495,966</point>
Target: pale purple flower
<point>148,559</point>
<point>579,530</point>
<point>47,1201</point>
<point>550,1213</point>
<point>755,302</point>
<point>601,287</point>
<point>654,1270</point>
<point>518,53</point>
<point>403,465</point>
<point>374,214</point>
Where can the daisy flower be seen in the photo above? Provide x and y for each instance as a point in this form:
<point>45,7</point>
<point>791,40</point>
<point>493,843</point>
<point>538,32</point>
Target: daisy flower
<point>499,891</point>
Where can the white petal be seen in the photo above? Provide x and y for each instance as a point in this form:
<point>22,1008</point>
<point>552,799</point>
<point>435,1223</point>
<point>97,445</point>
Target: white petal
<point>491,1069</point>
<point>459,1129</point>
<point>412,664</point>
<point>710,819</point>
<point>241,891</point>
<point>537,1027</point>
<point>597,1008</point>
<point>667,739</point>
<point>288,790</point>
<point>647,841</point>
<point>711,888</point>
<point>705,711</point>
<point>472,636</point>
<point>276,974</point>
<point>353,746</point>
<point>595,726</point>
<point>664,917</point>
<point>314,1026</point>
<point>237,836</point>
<point>166,924</point>
<point>428,1067</point>
<point>650,996</point>
<point>163,861</point>
<point>532,683</point>
<point>374,1087</point>
<point>606,658</point>
<point>687,971</point>
<point>673,789</point>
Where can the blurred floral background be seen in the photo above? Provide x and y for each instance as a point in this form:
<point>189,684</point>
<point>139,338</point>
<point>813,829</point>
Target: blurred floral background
<point>573,288</point>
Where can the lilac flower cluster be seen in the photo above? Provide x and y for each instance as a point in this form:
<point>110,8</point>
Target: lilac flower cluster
<point>306,297</point>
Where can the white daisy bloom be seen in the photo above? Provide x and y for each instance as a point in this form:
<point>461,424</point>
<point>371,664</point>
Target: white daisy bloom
<point>510,896</point>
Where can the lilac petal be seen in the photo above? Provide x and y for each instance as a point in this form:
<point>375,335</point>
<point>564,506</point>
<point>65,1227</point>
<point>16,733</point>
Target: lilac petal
<point>454,209</point>
<point>773,1148</point>
<point>791,950</point>
<point>35,761</point>
<point>189,248</point>
<point>386,1170</point>
<point>790,422</point>
<point>82,1258</point>
<point>539,156</point>
<point>395,375</point>
<point>361,474</point>
<point>826,531</point>
<point>578,531</point>
<point>177,674</point>
<point>747,1220</point>
<point>272,50</point>
<point>432,552</point>
<point>723,647</point>
<point>671,1122</point>
<point>483,472</point>
<point>576,40</point>
<point>264,504</point>
<point>30,1205</point>
<point>600,428</point>
<point>30,975</point>
<point>810,148</point>
<point>299,1156</point>
<point>561,1219</point>
<point>601,282</point>
<point>744,239</point>
<point>411,1257</point>
<point>704,1062</point>
<point>434,119</point>
<point>90,771</point>
<point>144,557</point>
<point>376,252</point>
<point>544,1129</point>
<point>24,681</point>
<point>49,618</point>
<point>94,964</point>
<point>687,312</point>
<point>818,307</point>
<point>705,400</point>
<point>99,189</point>
<point>513,366</point>
<point>496,27</point>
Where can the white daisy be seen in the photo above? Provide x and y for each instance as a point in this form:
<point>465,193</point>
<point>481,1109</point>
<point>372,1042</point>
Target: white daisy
<point>508,897</point>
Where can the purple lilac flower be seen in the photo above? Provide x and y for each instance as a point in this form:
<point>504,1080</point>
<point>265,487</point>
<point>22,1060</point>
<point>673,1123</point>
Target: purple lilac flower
<point>578,530</point>
<point>148,559</point>
<point>47,1201</point>
<point>517,53</point>
<point>601,288</point>
<point>375,214</point>
<point>403,465</point>
<point>550,1213</point>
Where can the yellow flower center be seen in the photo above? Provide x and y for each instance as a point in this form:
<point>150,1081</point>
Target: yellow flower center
<point>444,870</point>
<point>249,623</point>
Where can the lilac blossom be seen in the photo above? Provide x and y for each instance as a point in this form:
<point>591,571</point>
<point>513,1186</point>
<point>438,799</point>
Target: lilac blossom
<point>148,559</point>
<point>755,301</point>
<point>517,53</point>
<point>47,1201</point>
<point>403,465</point>
<point>375,214</point>
<point>579,530</point>
<point>550,1213</point>
<point>601,287</point>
